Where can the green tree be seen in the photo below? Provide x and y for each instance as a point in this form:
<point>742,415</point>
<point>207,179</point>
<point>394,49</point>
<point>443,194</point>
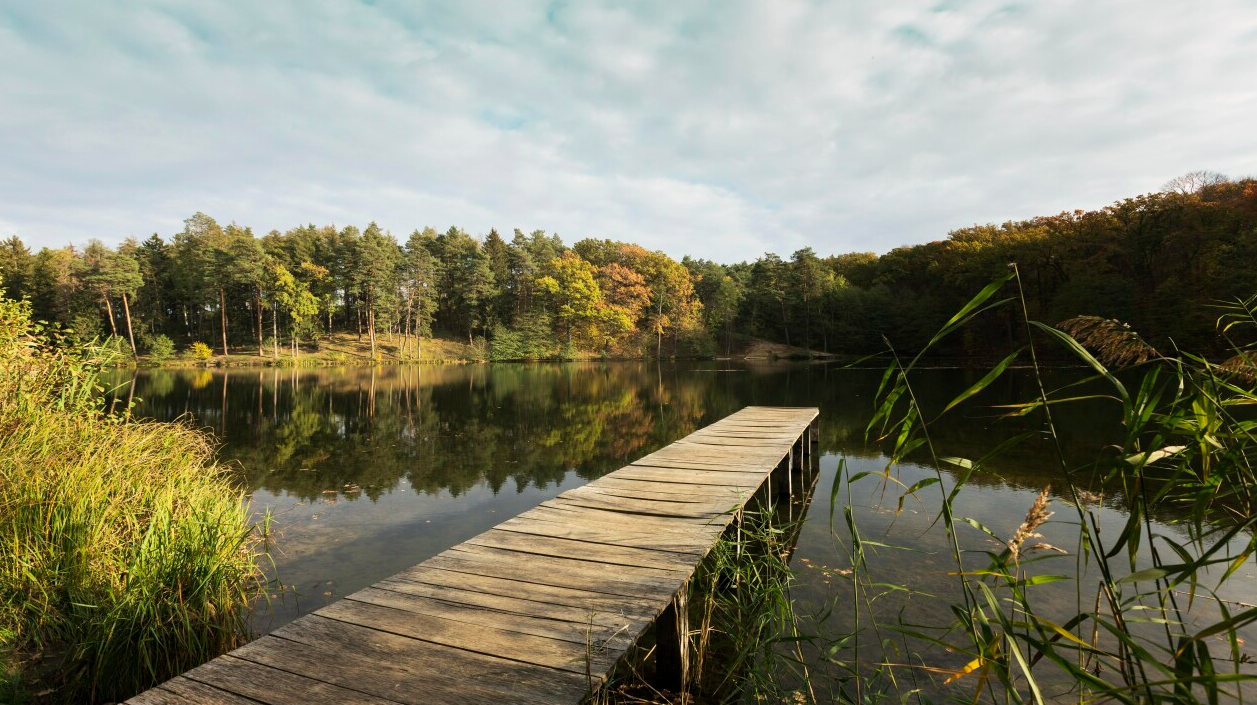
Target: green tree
<point>294,298</point>
<point>194,275</point>
<point>244,270</point>
<point>375,274</point>
<point>107,274</point>
<point>521,272</point>
<point>16,267</point>
<point>419,275</point>
<point>584,319</point>
<point>770,294</point>
<point>722,307</point>
<point>809,278</point>
<point>124,269</point>
<point>468,287</point>
<point>498,254</point>
<point>156,269</point>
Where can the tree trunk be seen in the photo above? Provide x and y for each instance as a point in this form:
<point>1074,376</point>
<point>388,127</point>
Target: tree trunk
<point>784,325</point>
<point>222,309</point>
<point>126,306</point>
<point>257,303</point>
<point>113,327</point>
<point>410,305</point>
<point>659,331</point>
<point>275,330</point>
<point>807,325</point>
<point>371,324</point>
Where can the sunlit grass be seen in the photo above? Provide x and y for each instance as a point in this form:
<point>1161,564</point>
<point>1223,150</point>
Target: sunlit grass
<point>126,554</point>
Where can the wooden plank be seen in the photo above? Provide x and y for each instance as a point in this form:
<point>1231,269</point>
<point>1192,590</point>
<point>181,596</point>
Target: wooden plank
<point>630,522</point>
<point>274,686</point>
<point>157,696</point>
<point>690,476</point>
<point>525,648</point>
<point>586,600</point>
<point>681,564</point>
<point>490,603</point>
<point>685,542</point>
<point>635,506</point>
<point>592,580</point>
<point>190,692</point>
<point>728,441</point>
<point>641,490</point>
<point>335,665</point>
<point>324,643</point>
<point>715,457</point>
<point>512,621</point>
<point>614,519</point>
<point>640,575</point>
<point>676,488</point>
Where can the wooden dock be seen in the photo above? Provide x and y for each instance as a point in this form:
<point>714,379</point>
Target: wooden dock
<point>538,609</point>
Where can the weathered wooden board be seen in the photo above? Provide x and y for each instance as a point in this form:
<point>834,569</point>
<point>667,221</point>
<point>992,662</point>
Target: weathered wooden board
<point>537,610</point>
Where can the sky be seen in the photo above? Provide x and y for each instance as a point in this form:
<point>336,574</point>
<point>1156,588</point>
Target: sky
<point>721,129</point>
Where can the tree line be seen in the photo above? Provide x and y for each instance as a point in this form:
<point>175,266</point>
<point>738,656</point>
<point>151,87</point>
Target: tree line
<point>1156,261</point>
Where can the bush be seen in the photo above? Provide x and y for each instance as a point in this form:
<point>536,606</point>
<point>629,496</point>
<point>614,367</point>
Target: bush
<point>125,552</point>
<point>477,350</point>
<point>506,344</point>
<point>199,351</point>
<point>160,348</point>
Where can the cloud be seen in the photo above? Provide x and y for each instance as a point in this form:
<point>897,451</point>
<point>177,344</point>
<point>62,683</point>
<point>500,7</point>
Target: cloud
<point>717,129</point>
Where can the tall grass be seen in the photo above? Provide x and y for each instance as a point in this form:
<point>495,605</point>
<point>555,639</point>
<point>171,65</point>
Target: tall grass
<point>126,556</point>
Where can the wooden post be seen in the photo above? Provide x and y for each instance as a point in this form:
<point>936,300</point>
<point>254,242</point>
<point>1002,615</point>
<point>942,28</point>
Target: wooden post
<point>790,477</point>
<point>672,641</point>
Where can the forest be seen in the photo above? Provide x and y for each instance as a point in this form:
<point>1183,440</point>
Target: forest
<point>1157,262</point>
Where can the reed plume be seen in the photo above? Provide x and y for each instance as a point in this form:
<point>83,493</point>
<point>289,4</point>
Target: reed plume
<point>1113,342</point>
<point>1034,519</point>
<point>1243,365</point>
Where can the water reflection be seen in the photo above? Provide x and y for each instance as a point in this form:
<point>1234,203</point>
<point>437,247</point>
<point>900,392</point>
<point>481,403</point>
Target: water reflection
<point>369,471</point>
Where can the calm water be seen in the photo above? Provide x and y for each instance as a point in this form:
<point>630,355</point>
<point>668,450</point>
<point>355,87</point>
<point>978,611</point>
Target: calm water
<point>369,471</point>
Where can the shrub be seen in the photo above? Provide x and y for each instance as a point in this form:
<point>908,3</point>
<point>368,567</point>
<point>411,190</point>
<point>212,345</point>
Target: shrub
<point>160,348</point>
<point>199,351</point>
<point>506,344</point>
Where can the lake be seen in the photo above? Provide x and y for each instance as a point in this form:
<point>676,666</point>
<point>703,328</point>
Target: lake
<point>368,471</point>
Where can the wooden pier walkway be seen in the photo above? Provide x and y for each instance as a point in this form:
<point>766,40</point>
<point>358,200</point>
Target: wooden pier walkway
<point>538,609</point>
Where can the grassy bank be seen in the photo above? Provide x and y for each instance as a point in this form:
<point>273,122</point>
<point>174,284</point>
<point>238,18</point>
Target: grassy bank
<point>343,349</point>
<point>126,555</point>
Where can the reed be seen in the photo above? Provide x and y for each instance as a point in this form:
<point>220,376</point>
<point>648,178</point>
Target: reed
<point>126,554</point>
<point>1148,623</point>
